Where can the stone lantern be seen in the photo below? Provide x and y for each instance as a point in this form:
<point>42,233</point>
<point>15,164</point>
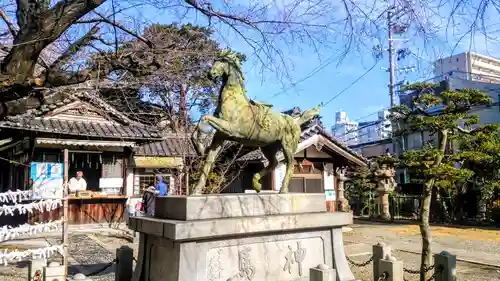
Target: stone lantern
<point>385,185</point>
<point>342,202</point>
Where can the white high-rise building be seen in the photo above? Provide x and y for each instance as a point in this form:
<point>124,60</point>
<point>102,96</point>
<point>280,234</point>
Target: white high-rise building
<point>468,66</point>
<point>344,129</point>
<point>340,117</point>
<point>371,131</point>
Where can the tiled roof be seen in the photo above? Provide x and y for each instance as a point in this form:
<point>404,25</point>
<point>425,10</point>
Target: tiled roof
<point>81,128</point>
<point>172,145</point>
<point>56,98</point>
<point>24,116</point>
<point>316,129</point>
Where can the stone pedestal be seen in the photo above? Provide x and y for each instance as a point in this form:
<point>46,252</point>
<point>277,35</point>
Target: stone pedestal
<point>264,237</point>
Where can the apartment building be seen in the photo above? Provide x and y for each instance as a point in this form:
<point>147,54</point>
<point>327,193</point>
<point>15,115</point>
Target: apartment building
<point>345,129</point>
<point>468,66</point>
<point>372,131</point>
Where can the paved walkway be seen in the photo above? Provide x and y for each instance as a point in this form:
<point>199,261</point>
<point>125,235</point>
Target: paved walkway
<point>360,253</point>
<point>469,244</point>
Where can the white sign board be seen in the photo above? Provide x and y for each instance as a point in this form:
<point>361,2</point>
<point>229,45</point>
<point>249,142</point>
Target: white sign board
<point>330,195</point>
<point>279,175</point>
<point>110,182</point>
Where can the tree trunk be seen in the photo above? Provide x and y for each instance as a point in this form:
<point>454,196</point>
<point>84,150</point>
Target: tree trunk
<point>20,62</point>
<point>183,107</point>
<point>425,229</point>
<point>39,26</point>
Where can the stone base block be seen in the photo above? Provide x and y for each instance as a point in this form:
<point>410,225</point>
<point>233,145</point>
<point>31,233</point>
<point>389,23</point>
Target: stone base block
<point>277,247</point>
<point>237,205</point>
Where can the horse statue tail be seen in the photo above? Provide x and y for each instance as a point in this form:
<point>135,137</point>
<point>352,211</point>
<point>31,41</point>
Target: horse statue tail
<point>309,114</point>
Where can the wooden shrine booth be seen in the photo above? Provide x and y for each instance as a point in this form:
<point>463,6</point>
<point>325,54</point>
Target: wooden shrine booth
<point>100,142</point>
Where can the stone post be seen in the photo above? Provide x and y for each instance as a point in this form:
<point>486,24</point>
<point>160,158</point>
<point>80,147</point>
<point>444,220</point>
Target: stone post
<point>380,250</point>
<point>54,271</point>
<point>35,269</point>
<point>392,267</point>
<point>322,273</point>
<point>342,203</point>
<point>124,263</point>
<point>445,266</point>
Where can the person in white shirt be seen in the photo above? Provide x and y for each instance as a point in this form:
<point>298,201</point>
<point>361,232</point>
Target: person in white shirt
<point>77,183</point>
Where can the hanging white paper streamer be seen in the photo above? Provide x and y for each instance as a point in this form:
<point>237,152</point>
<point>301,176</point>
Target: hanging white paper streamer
<point>42,253</point>
<point>15,196</point>
<point>41,206</point>
<point>7,232</point>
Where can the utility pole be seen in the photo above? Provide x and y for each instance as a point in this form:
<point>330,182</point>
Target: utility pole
<point>391,58</point>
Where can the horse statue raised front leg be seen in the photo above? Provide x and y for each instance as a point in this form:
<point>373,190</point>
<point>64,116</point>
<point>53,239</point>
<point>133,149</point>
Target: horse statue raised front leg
<point>249,123</point>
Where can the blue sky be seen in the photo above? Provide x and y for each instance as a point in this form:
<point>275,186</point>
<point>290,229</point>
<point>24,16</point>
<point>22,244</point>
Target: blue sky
<point>320,85</point>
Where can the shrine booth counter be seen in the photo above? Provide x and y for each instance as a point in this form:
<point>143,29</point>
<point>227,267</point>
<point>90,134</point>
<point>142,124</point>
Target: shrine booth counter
<point>104,168</point>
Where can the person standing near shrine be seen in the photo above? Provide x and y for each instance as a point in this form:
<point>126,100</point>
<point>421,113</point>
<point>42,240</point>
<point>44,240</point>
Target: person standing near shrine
<point>161,186</point>
<point>148,201</point>
<point>77,183</point>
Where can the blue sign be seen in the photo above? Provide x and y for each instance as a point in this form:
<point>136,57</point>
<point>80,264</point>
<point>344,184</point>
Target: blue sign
<point>47,179</point>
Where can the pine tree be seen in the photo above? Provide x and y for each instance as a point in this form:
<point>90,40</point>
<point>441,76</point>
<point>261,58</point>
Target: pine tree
<point>439,166</point>
<point>482,149</point>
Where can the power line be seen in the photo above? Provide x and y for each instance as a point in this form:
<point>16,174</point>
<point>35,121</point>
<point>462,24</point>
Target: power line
<point>352,84</point>
<point>320,67</point>
<point>363,127</point>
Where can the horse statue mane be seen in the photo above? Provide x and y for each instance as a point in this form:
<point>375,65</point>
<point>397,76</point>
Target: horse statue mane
<point>232,58</point>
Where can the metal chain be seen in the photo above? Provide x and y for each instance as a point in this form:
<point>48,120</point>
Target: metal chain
<point>429,268</point>
<point>410,271</point>
<point>102,269</point>
<point>363,264</point>
<point>432,277</point>
<point>438,270</point>
<point>383,276</point>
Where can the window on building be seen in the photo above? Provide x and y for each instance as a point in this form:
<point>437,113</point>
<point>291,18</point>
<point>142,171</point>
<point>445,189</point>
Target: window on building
<point>145,178</point>
<point>415,140</point>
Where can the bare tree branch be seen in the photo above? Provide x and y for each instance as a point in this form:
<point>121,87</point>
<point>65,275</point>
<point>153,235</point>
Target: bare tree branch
<point>8,21</point>
<point>74,48</point>
<point>117,25</point>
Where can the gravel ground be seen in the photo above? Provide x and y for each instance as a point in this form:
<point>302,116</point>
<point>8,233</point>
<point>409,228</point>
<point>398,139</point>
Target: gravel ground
<point>87,256</point>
